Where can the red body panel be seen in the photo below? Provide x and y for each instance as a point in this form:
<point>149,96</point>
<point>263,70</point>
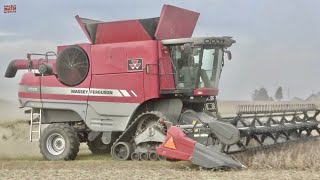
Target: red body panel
<point>183,144</point>
<point>35,96</point>
<point>176,23</point>
<point>28,79</point>
<point>113,58</point>
<point>110,70</point>
<point>120,31</point>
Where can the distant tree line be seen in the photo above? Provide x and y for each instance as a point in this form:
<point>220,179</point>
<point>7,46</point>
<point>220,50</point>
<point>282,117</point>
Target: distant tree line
<point>261,94</point>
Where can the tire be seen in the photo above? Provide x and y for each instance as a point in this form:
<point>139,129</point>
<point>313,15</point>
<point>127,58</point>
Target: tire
<point>59,142</point>
<point>97,147</point>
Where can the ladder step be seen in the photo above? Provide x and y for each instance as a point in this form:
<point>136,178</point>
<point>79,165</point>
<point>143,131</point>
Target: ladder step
<point>35,123</point>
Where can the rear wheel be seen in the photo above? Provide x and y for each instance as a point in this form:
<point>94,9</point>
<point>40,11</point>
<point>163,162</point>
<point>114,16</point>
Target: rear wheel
<point>59,142</point>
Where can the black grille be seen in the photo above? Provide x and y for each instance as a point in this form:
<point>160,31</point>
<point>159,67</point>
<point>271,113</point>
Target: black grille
<point>72,66</point>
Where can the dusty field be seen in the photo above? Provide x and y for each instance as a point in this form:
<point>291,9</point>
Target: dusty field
<point>103,168</point>
<point>20,159</point>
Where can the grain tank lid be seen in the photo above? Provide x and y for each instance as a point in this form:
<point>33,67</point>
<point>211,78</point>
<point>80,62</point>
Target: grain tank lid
<point>126,31</point>
<point>99,32</point>
<point>89,27</point>
<point>176,23</point>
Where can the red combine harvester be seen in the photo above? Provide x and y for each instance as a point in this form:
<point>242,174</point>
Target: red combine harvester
<point>145,89</point>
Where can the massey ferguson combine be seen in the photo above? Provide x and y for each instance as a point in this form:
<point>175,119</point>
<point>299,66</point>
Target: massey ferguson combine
<point>143,90</point>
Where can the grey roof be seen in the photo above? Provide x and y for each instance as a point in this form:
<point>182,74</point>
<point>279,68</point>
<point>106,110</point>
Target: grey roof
<point>226,41</point>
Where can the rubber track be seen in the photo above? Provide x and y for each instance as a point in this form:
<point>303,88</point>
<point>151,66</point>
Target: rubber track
<point>127,135</point>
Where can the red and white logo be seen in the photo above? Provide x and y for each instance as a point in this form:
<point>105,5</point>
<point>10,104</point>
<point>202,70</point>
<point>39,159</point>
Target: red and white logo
<point>9,8</point>
<point>134,64</point>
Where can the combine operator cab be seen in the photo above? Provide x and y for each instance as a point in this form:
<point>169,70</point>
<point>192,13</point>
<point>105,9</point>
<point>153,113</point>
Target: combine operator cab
<point>198,62</point>
<point>196,67</point>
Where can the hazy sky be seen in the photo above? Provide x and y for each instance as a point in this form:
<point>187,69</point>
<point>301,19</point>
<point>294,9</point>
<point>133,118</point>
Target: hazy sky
<point>277,41</point>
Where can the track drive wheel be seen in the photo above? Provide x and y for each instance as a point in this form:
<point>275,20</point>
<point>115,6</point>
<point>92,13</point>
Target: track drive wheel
<point>59,142</point>
<point>122,151</point>
<point>98,147</point>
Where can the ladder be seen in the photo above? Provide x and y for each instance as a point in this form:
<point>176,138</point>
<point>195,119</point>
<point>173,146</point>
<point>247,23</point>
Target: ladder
<point>35,124</point>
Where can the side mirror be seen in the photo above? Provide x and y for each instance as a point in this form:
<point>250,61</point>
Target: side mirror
<point>229,54</point>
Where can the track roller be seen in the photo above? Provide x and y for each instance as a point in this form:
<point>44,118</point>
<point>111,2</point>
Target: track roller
<point>122,151</point>
<point>135,156</point>
<point>144,156</point>
<point>153,156</point>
